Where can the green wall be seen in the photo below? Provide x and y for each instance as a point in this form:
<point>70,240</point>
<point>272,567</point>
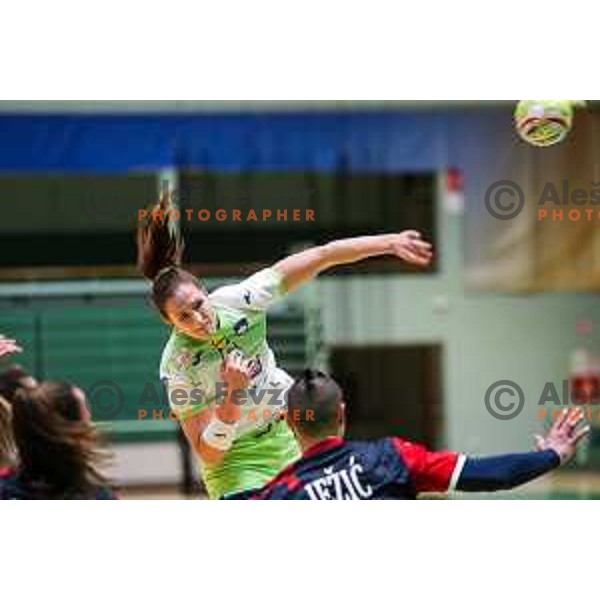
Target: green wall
<point>487,337</point>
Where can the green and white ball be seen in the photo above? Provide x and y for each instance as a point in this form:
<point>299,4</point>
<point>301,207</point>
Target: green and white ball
<point>544,123</point>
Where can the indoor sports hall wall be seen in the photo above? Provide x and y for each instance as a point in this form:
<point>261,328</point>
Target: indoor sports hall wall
<point>487,336</point>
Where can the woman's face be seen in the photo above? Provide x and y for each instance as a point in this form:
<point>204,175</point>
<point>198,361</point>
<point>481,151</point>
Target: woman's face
<point>189,310</point>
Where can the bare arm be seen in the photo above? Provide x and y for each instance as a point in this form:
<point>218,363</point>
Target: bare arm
<point>303,266</point>
<point>8,347</point>
<point>193,429</point>
<point>235,374</point>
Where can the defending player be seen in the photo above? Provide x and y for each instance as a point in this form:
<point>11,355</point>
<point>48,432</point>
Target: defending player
<point>59,456</point>
<point>10,382</point>
<point>240,454</point>
<point>392,468</point>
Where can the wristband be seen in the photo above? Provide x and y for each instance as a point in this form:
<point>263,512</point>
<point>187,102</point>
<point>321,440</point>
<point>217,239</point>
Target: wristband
<point>219,435</point>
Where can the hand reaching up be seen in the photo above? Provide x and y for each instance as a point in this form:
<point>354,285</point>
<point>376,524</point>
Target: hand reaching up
<point>564,435</point>
<point>8,347</point>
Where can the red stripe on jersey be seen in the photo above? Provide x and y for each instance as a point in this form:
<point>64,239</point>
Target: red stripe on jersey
<point>429,471</point>
<point>292,482</point>
<point>287,477</point>
<point>323,446</point>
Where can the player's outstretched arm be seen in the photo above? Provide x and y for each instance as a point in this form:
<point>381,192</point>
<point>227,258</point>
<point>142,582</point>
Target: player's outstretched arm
<point>511,470</point>
<point>303,266</point>
<point>8,347</point>
<point>211,439</point>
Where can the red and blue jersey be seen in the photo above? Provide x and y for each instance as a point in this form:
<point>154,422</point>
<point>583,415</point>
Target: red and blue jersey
<point>390,468</point>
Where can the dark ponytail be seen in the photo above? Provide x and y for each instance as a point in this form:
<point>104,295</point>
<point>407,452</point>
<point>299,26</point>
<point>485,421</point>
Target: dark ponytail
<point>159,242</point>
<point>160,251</point>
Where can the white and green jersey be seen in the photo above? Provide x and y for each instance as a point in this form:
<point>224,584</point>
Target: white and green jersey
<point>190,369</point>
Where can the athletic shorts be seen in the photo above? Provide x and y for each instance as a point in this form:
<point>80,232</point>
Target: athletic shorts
<point>252,461</point>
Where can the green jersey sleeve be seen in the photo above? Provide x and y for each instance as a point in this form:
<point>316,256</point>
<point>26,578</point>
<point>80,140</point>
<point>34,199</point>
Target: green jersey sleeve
<point>255,293</point>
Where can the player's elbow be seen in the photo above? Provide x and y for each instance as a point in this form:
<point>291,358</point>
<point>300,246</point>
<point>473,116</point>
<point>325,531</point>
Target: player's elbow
<point>325,255</point>
<point>301,267</point>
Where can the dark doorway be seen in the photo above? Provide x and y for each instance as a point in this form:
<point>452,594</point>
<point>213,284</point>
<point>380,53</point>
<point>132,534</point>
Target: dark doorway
<point>392,390</point>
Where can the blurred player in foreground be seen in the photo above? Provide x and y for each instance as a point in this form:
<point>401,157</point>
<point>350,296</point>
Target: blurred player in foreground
<point>6,439</point>
<point>48,446</point>
<point>57,452</point>
<point>11,380</point>
<point>8,347</point>
<point>241,453</point>
<point>392,468</point>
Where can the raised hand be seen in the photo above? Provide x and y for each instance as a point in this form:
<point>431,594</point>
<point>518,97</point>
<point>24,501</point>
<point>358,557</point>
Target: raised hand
<point>235,371</point>
<point>8,347</point>
<point>564,435</point>
<point>410,247</point>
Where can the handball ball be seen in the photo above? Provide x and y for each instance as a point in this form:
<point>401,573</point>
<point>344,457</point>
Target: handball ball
<point>544,122</point>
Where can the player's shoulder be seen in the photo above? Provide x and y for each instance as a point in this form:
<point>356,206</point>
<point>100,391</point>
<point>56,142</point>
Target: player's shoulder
<point>105,493</point>
<point>392,453</point>
<point>250,294</point>
<point>12,486</point>
<point>8,491</point>
<point>168,351</point>
<point>369,447</point>
<point>230,297</point>
<point>403,447</point>
<point>6,483</point>
<point>371,452</point>
<point>240,295</point>
<point>367,444</point>
<point>284,485</point>
<point>415,455</point>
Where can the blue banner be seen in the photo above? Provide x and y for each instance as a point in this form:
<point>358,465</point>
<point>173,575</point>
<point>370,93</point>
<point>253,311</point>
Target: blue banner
<point>385,141</point>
